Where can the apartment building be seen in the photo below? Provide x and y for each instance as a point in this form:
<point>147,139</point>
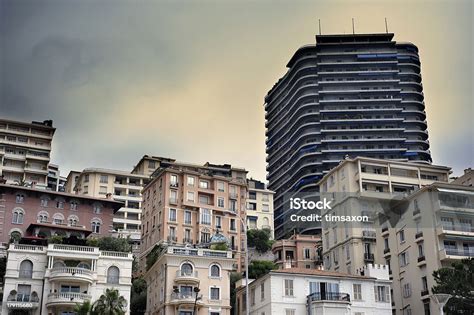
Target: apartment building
<point>466,179</point>
<point>148,164</point>
<point>53,279</point>
<point>187,203</point>
<point>56,182</point>
<point>435,229</point>
<point>186,280</point>
<point>298,251</point>
<point>124,187</point>
<point>308,291</point>
<point>259,206</point>
<point>38,213</point>
<point>346,95</point>
<point>25,151</point>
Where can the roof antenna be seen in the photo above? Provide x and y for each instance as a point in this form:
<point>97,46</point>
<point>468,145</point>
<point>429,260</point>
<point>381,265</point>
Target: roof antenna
<point>353,28</point>
<point>319,21</point>
<point>386,26</point>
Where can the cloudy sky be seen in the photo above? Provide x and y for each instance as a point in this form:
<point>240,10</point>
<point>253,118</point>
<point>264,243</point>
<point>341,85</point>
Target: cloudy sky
<point>186,79</point>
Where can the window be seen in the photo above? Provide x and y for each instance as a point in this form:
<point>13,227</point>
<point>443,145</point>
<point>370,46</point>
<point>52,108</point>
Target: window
<point>73,220</point>
<point>348,252</point>
<point>95,226</point>
<point>232,225</point>
<point>220,202</point>
<point>103,190</point>
<point>206,216</point>
<point>404,259</point>
<point>73,205</point>
<point>18,215</point>
<point>190,196</point>
<point>426,308</point>
<point>20,198</point>
<point>58,218</point>
<point>186,269</point>
<point>215,271</point>
<point>104,179</point>
<point>60,203</point>
<point>220,186</point>
<point>215,294</point>
<point>204,199</point>
<point>402,236</point>
<point>382,293</point>
<point>172,215</point>
<point>86,178</point>
<point>191,181</point>
<point>97,208</point>
<point>26,269</point>
<point>44,201</point>
<point>357,288</point>
<point>24,294</point>
<point>233,205</point>
<point>307,253</point>
<point>174,180</point>
<point>386,244</point>
<point>406,290</point>
<point>113,275</point>
<point>151,164</point>
<point>205,237</point>
<point>265,197</point>
<point>265,208</point>
<point>187,236</point>
<point>173,196</point>
<point>204,184</point>
<point>70,289</point>
<point>262,291</point>
<point>421,251</point>
<point>288,287</point>
<point>218,222</point>
<point>187,217</point>
<point>42,217</point>
<point>252,296</point>
<point>290,311</point>
<point>424,283</point>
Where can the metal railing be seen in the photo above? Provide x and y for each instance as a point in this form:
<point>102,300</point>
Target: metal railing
<point>329,296</point>
<point>459,252</point>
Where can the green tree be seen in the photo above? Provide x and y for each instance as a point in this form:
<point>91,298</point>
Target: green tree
<point>110,303</point>
<point>457,280</point>
<point>234,277</point>
<point>83,308</point>
<point>260,239</point>
<point>138,297</point>
<point>111,244</point>
<point>153,256</point>
<point>258,268</point>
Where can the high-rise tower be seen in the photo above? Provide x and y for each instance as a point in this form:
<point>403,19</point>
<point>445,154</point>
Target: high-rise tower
<point>345,96</point>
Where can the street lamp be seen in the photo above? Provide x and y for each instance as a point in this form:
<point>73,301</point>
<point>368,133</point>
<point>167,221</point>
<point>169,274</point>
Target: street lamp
<point>441,299</point>
<point>247,306</point>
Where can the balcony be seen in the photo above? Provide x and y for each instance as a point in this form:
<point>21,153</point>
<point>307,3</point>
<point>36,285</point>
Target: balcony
<point>456,229</point>
<point>459,253</point>
<point>68,273</point>
<point>185,298</point>
<point>66,299</point>
<point>369,234</point>
<point>369,258</point>
<point>418,235</point>
<point>174,185</point>
<point>425,292</point>
<point>23,302</point>
<point>186,277</point>
<point>172,238</point>
<point>386,251</point>
<point>329,296</point>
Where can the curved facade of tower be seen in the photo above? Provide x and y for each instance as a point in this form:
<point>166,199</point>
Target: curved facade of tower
<point>345,96</point>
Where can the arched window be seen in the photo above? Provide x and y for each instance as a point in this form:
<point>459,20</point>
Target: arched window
<point>215,271</point>
<point>26,269</point>
<point>186,269</point>
<point>95,225</point>
<point>43,217</point>
<point>59,264</point>
<point>72,220</point>
<point>15,236</point>
<point>265,222</point>
<point>58,218</point>
<point>83,265</point>
<point>20,198</point>
<point>113,275</point>
<point>18,215</point>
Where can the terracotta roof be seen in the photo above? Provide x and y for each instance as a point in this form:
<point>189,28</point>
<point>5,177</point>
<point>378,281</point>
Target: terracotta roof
<point>316,272</point>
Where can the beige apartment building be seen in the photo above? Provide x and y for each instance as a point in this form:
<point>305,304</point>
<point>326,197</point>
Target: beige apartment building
<point>298,251</point>
<point>466,179</point>
<point>186,280</point>
<point>124,187</point>
<point>188,203</point>
<point>259,206</point>
<point>379,191</point>
<point>148,164</point>
<point>25,151</point>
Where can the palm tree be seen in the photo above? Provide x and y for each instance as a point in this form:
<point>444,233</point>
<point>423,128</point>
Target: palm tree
<point>110,303</point>
<point>83,309</point>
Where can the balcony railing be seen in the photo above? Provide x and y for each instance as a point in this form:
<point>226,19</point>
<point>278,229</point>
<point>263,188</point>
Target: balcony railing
<point>459,252</point>
<point>172,239</point>
<point>182,273</point>
<point>386,250</point>
<point>71,270</point>
<point>329,296</point>
<point>68,298</point>
<point>368,234</point>
<point>368,257</point>
<point>421,258</point>
<point>418,235</point>
<point>425,292</point>
<point>458,228</point>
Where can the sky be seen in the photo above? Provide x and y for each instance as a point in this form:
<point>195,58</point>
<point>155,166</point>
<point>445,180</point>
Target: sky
<point>187,79</point>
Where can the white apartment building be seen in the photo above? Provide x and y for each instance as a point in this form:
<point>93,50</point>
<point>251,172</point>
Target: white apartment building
<point>25,151</point>
<point>124,187</point>
<point>53,279</point>
<point>56,182</point>
<point>259,206</point>
<point>184,280</point>
<point>318,292</point>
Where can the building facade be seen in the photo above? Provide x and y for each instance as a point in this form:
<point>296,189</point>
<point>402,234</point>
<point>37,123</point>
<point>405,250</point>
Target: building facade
<point>148,164</point>
<point>39,213</point>
<point>298,251</point>
<point>306,291</point>
<point>25,151</point>
<point>187,280</point>
<point>53,279</point>
<point>347,95</point>
<point>187,203</point>
<point>466,179</point>
<point>56,182</point>
<point>259,206</point>
<point>125,188</point>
